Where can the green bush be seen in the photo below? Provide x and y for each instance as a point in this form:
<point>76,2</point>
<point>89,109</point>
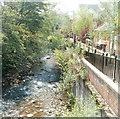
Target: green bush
<point>56,41</point>
<point>84,108</point>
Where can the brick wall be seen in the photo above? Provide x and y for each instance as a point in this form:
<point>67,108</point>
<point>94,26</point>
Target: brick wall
<point>105,64</point>
<point>103,84</point>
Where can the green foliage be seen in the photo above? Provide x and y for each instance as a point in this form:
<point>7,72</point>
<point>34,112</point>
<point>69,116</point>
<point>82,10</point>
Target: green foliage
<point>69,61</point>
<point>25,32</point>
<point>83,73</point>
<point>70,65</point>
<point>84,108</point>
<point>108,14</point>
<point>66,25</point>
<point>85,19</point>
<point>32,15</point>
<point>71,99</point>
<point>56,40</point>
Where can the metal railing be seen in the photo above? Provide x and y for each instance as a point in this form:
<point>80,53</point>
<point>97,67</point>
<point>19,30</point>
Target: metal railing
<point>110,66</point>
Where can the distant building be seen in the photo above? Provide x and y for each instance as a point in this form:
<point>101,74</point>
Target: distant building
<point>92,7</point>
<point>100,41</point>
<point>118,45</point>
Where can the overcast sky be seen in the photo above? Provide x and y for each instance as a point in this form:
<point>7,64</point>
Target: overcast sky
<point>73,5</point>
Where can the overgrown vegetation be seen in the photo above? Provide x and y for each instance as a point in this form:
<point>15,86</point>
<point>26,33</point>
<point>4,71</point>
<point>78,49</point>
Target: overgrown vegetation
<point>69,60</point>
<point>27,34</point>
<point>22,34</point>
<point>56,41</point>
<point>69,65</point>
<point>84,108</point>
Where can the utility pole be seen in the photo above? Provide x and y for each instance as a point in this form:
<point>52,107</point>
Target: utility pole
<point>72,23</point>
<point>72,19</point>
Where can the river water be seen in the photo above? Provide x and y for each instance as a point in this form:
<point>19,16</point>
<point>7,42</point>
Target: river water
<point>33,90</point>
<point>38,95</point>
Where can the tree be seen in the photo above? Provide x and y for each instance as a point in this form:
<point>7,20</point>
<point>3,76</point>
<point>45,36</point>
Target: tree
<point>109,14</point>
<point>84,20</point>
<point>23,40</point>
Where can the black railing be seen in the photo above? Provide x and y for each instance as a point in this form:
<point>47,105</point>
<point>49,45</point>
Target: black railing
<point>110,66</point>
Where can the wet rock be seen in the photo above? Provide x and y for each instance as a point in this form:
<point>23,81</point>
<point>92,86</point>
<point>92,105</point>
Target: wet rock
<point>33,101</point>
<point>49,81</point>
<point>50,111</point>
<point>31,73</point>
<point>39,83</point>
<point>21,115</point>
<point>41,110</point>
<point>53,115</point>
<point>29,115</point>
<point>60,99</point>
<point>37,106</point>
<point>54,89</point>
<point>48,57</point>
<point>40,61</point>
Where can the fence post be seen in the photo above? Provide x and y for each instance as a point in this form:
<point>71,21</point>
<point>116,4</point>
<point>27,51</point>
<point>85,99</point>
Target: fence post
<point>102,61</point>
<point>114,78</point>
<point>95,51</point>
<point>106,61</point>
<point>74,38</point>
<point>94,55</point>
<point>88,51</point>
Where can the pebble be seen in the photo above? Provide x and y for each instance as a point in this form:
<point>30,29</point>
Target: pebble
<point>53,115</point>
<point>39,83</point>
<point>21,115</point>
<point>41,110</point>
<point>29,115</point>
<point>50,111</point>
<point>33,101</point>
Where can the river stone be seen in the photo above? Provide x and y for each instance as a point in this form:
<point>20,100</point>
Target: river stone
<point>53,115</point>
<point>50,111</point>
<point>41,110</point>
<point>39,83</point>
<point>33,101</point>
<point>21,115</point>
<point>29,115</point>
<point>48,57</point>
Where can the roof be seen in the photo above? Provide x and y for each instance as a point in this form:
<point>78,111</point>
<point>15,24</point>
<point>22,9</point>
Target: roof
<point>105,27</point>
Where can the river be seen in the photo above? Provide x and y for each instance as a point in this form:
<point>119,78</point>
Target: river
<point>38,95</point>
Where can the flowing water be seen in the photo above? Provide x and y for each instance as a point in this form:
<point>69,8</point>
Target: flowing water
<point>35,91</point>
<point>36,96</point>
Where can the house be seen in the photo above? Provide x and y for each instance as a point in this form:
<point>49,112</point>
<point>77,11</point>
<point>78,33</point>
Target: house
<point>100,41</point>
<point>92,7</point>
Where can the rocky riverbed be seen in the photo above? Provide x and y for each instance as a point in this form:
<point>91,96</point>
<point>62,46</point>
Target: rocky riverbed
<point>38,95</point>
<point>48,102</point>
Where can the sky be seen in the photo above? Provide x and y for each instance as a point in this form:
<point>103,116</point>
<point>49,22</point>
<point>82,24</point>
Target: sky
<point>73,5</point>
<point>68,5</point>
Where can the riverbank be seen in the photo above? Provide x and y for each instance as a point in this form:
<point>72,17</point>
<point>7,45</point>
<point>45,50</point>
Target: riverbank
<point>14,78</point>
